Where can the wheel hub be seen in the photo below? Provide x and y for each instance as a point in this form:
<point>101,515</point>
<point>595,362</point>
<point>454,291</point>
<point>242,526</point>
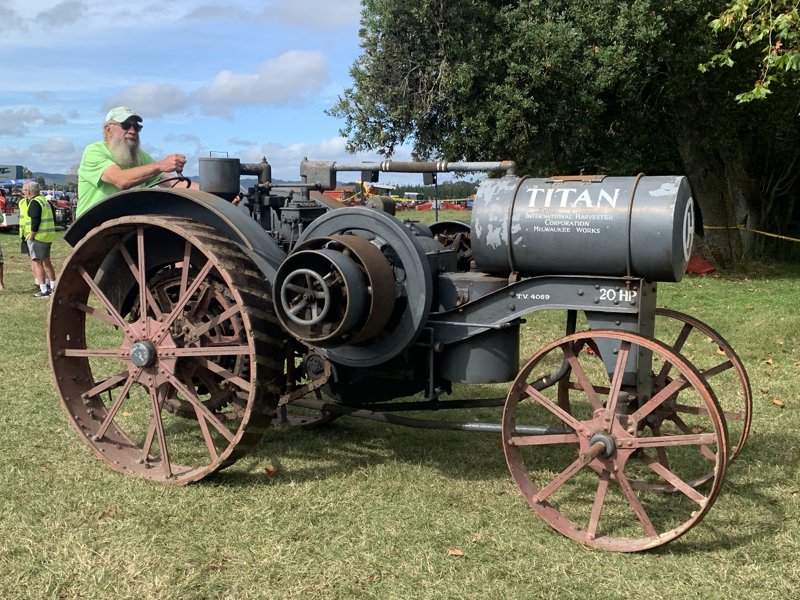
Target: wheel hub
<point>609,444</point>
<point>143,353</point>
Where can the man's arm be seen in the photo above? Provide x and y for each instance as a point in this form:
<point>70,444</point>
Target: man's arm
<point>125,179</point>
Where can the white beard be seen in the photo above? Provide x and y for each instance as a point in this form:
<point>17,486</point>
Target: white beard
<point>125,153</point>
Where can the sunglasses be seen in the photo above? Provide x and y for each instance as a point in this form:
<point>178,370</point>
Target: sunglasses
<point>137,127</point>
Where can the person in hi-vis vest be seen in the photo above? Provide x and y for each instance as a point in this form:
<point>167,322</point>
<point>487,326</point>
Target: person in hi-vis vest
<point>40,232</point>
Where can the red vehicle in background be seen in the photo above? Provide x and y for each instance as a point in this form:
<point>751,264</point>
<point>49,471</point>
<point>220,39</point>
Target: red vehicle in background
<point>9,211</point>
<point>63,210</point>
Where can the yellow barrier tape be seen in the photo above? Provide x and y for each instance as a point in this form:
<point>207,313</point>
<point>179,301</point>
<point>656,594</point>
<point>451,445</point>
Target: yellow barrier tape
<point>742,228</point>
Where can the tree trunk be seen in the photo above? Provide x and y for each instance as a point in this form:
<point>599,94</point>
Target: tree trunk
<point>717,188</point>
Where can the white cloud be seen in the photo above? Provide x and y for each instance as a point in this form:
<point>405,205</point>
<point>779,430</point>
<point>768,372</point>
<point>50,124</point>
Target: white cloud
<point>316,14</point>
<point>55,155</point>
<point>319,15</point>
<point>62,14</point>
<point>286,80</point>
<point>151,99</point>
<point>15,122</point>
<point>55,147</point>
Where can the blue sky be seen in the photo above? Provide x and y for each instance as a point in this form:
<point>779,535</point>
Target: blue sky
<point>241,78</point>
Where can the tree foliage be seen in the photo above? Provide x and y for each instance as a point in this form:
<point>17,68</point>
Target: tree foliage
<point>772,28</point>
<point>563,86</point>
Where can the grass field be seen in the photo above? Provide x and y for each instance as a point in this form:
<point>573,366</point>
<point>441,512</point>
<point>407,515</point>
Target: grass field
<point>366,510</point>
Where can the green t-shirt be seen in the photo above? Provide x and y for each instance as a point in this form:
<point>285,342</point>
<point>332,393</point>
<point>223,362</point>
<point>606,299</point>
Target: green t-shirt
<point>91,188</point>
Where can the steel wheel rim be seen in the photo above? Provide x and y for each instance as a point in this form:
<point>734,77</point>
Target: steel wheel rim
<point>737,404</point>
<point>110,371</point>
<point>606,502</point>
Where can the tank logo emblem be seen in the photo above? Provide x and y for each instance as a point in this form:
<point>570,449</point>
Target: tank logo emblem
<point>563,200</point>
<point>688,229</point>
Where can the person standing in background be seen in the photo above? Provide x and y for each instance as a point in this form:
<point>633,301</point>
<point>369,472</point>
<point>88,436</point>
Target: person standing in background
<point>40,229</point>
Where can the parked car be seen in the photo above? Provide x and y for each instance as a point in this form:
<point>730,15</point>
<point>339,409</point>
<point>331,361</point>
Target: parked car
<point>9,211</point>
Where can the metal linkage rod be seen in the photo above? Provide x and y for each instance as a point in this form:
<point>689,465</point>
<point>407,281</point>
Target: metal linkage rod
<point>424,423</point>
<point>441,166</point>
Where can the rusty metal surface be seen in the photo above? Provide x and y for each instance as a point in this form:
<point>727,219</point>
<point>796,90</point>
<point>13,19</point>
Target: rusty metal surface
<point>172,354</point>
<point>203,208</point>
<point>719,364</point>
<point>196,340</point>
<point>621,479</point>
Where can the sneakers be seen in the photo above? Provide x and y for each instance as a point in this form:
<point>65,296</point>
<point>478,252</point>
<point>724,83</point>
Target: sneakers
<point>41,294</point>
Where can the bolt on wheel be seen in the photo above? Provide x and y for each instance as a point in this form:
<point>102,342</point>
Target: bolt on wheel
<point>135,352</point>
<point>598,472</point>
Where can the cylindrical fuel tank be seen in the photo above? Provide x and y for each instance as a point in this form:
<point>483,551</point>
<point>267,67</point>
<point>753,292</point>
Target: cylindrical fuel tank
<point>614,226</point>
<point>220,176</point>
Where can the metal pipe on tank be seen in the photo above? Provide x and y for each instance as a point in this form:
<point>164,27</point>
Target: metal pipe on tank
<point>441,166</point>
<point>263,170</point>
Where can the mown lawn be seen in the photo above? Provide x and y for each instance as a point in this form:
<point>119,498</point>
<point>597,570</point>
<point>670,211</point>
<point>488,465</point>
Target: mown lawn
<point>366,510</point>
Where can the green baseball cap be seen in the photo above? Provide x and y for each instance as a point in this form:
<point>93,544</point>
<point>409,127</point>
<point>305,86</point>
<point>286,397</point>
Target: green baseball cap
<point>122,114</point>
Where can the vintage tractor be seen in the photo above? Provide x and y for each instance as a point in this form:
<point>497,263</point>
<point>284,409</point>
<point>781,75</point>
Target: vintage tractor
<point>182,327</point>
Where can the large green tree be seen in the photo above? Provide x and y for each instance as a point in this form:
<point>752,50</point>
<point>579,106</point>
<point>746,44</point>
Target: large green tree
<point>772,27</point>
<point>562,86</point>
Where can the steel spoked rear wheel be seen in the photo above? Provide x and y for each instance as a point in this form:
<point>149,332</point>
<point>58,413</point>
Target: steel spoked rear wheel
<point>166,377</point>
<point>597,453</point>
<point>717,362</point>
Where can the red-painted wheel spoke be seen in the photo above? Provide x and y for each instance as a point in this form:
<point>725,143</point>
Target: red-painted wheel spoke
<point>141,280</point>
<point>720,368</point>
<point>95,353</point>
<point>660,451</point>
<point>225,374</point>
<point>201,305</point>
<point>675,481</point>
<point>543,440</point>
<point>187,257</point>
<point>546,403</point>
<point>199,406</point>
<point>656,401</point>
<point>597,507</point>
<point>676,347</point>
<point>584,384</point>
<point>210,445</point>
<point>93,312</point>
<point>106,385</point>
<point>211,350</point>
<point>704,449</point>
<point>112,412</point>
<point>107,304</point>
<point>696,439</point>
<point>177,310</point>
<point>145,295</point>
<point>158,426</point>
<point>616,385</point>
<point>637,507</point>
<point>214,322</point>
<point>560,480</point>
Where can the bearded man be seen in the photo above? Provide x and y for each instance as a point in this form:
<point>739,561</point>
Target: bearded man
<point>118,163</point>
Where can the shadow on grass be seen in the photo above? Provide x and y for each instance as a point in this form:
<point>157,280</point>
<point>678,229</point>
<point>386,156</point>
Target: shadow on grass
<point>350,444</point>
<point>747,509</point>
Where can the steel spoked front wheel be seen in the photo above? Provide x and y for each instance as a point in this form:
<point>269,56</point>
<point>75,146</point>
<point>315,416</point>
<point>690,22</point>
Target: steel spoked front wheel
<point>170,378</point>
<point>597,453</point>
